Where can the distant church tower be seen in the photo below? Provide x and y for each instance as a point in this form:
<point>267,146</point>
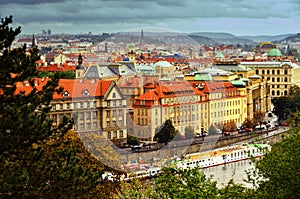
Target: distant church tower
<point>80,68</point>
<point>141,39</point>
<point>33,44</point>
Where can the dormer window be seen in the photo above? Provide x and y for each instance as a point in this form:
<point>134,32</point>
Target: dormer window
<point>66,94</point>
<point>85,93</point>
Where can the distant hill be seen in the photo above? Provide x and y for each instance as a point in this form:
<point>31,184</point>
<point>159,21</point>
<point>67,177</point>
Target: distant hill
<point>260,38</point>
<point>223,38</point>
<point>292,38</point>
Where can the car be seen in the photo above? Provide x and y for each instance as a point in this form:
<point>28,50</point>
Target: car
<point>219,131</point>
<point>260,127</point>
<point>226,133</point>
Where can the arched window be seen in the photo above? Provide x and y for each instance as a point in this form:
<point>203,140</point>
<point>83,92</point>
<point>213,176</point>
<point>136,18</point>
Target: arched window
<point>273,92</point>
<point>263,72</point>
<point>278,92</point>
<point>273,72</point>
<point>278,79</point>
<point>278,72</point>
<point>257,72</point>
<point>273,79</point>
<point>285,92</point>
<point>268,78</point>
<point>285,79</point>
<point>285,71</point>
<point>268,72</point>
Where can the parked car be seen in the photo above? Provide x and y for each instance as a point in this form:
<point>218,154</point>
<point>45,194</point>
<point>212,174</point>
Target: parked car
<point>226,133</point>
<point>260,127</point>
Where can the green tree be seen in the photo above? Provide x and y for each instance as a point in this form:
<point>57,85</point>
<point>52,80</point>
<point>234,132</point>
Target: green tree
<point>259,117</point>
<point>279,170</point>
<point>131,140</point>
<point>248,123</point>
<point>37,159</point>
<point>181,183</point>
<point>166,133</point>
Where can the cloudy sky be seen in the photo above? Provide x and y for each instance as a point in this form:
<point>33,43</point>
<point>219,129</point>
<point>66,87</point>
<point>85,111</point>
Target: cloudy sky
<point>239,17</point>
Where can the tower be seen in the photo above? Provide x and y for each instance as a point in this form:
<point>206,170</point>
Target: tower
<point>33,44</point>
<point>80,68</point>
<point>141,39</point>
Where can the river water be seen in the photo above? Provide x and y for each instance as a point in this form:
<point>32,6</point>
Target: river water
<point>236,171</point>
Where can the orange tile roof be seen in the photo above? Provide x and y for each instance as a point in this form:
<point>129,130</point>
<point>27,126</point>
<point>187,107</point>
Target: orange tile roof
<point>74,87</point>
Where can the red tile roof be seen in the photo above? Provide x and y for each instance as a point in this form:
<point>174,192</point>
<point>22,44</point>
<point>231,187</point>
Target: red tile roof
<point>75,88</point>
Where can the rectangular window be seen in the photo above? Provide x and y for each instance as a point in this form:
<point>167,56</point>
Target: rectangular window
<point>114,103</point>
<point>94,104</point>
<point>94,125</point>
<point>81,104</point>
<point>114,113</point>
<point>88,115</point>
<point>68,105</point>
<point>81,126</point>
<point>81,116</point>
<point>88,125</point>
<point>107,113</point>
<point>53,107</point>
<point>107,124</point>
<point>121,134</point>
<point>108,103</point>
<point>108,135</point>
<point>54,117</point>
<point>120,103</point>
<point>120,113</point>
<point>114,123</point>
<point>95,115</point>
<point>115,134</point>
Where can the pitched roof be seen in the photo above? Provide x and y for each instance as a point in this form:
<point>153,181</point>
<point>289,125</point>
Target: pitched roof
<point>73,88</point>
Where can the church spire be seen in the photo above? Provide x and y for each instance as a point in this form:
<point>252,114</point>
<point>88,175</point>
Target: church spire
<point>33,44</point>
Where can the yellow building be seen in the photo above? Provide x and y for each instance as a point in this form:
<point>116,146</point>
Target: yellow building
<point>177,101</point>
<point>281,75</point>
<point>96,106</point>
<point>226,103</point>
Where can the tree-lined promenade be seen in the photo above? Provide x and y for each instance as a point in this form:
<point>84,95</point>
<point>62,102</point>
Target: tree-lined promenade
<point>41,161</point>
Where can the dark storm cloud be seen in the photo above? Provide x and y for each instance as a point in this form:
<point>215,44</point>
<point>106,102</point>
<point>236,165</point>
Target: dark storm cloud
<point>107,12</point>
<point>20,2</point>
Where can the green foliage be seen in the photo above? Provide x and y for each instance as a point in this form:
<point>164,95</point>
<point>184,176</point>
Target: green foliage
<point>286,105</point>
<point>181,183</point>
<point>37,159</point>
<point>131,140</point>
<point>248,123</point>
<point>279,170</point>
<point>166,133</point>
<point>258,117</point>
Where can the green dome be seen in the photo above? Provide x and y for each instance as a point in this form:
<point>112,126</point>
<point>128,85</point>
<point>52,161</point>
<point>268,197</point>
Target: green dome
<point>275,52</point>
<point>131,45</point>
<point>219,55</point>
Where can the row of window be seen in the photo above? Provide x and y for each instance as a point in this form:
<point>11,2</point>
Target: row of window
<point>285,79</point>
<point>115,134</point>
<point>114,123</point>
<point>114,113</point>
<point>225,113</point>
<point>279,93</point>
<point>268,72</point>
<point>75,105</point>
<point>114,103</point>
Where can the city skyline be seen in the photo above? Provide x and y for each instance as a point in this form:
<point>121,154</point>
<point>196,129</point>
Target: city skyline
<point>236,17</point>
